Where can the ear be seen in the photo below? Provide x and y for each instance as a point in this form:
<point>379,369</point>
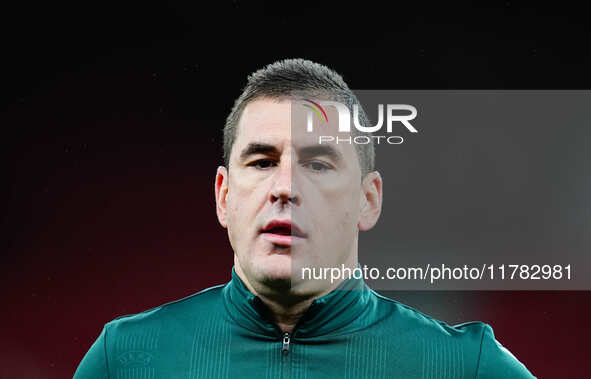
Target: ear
<point>221,194</point>
<point>371,200</point>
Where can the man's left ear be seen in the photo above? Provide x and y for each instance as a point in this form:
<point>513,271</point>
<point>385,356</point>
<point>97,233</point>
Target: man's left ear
<point>371,200</point>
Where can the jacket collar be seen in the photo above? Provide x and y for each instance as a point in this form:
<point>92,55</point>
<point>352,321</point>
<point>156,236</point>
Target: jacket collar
<point>336,312</point>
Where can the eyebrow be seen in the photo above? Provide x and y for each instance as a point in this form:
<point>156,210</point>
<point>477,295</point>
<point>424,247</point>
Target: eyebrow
<point>321,150</point>
<point>254,148</point>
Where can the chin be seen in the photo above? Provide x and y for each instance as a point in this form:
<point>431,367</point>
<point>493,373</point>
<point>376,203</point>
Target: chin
<point>277,283</point>
<point>276,274</point>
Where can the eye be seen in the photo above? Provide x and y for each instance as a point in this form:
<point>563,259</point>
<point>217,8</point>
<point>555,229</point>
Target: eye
<point>318,166</point>
<point>262,164</point>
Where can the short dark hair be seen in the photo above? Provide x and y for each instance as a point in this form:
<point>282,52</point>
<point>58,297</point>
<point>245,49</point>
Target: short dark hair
<point>298,78</point>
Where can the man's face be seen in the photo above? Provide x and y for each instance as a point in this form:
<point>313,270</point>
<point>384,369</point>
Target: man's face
<point>287,201</point>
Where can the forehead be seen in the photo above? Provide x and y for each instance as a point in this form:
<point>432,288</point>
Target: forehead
<point>265,117</point>
<point>282,122</point>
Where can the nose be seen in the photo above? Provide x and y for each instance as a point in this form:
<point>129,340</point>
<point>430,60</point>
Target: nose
<point>283,190</point>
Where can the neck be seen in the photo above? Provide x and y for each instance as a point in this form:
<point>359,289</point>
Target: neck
<point>286,306</point>
<point>286,317</point>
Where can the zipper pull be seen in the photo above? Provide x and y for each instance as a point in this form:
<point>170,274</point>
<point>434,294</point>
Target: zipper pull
<point>286,341</point>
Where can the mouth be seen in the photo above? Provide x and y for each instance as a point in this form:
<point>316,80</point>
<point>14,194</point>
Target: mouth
<point>282,232</point>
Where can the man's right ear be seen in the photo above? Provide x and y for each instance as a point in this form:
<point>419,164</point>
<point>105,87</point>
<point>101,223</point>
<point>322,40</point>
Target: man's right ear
<point>221,194</point>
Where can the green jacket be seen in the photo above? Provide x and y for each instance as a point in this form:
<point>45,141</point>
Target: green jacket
<point>353,332</point>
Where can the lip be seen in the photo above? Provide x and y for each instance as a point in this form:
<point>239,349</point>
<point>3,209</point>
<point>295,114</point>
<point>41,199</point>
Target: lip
<point>282,239</point>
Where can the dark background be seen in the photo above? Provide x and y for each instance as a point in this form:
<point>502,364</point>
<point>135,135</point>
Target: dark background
<point>112,118</point>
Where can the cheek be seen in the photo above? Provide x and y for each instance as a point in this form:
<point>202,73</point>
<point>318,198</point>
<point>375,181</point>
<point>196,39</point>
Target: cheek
<point>337,217</point>
<point>349,212</point>
<point>334,209</point>
<point>235,217</point>
<point>243,203</point>
<point>347,223</point>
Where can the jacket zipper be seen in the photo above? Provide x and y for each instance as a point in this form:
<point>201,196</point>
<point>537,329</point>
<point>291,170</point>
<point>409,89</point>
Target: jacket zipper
<point>286,342</point>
